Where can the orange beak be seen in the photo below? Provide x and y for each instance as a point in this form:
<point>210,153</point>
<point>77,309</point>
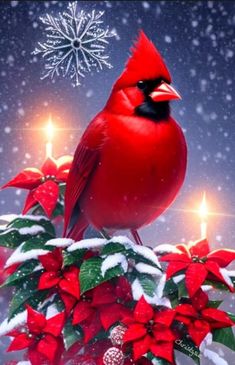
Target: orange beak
<point>164,92</point>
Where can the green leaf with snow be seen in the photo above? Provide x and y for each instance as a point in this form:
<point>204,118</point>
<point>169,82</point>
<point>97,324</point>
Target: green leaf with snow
<point>91,274</point>
<point>225,336</point>
<point>71,334</point>
<point>148,284</point>
<point>26,295</point>
<point>24,271</point>
<point>113,247</point>
<point>32,221</point>
<point>37,243</point>
<point>74,257</point>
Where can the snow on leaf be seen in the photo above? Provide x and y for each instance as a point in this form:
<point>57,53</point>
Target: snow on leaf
<point>7,326</point>
<point>113,261</point>
<point>19,256</point>
<point>166,248</point>
<point>60,242</point>
<point>88,243</point>
<point>76,43</point>
<point>33,230</point>
<point>147,253</point>
<point>147,269</point>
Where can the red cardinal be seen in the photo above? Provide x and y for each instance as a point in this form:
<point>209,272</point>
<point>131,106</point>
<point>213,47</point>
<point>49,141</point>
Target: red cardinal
<point>131,160</point>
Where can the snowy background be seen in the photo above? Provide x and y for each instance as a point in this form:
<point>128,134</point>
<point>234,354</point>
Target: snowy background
<point>196,39</point>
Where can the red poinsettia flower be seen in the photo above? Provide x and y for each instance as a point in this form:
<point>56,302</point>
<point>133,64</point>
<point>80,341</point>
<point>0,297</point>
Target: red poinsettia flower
<point>199,264</point>
<point>42,337</point>
<point>55,275</point>
<point>43,184</point>
<point>201,319</point>
<point>102,307</point>
<point>149,330</point>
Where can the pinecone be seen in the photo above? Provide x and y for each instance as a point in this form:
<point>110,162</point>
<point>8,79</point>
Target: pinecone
<point>117,334</point>
<point>113,356</point>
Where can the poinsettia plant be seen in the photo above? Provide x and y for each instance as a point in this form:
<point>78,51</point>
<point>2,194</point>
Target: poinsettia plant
<point>107,301</point>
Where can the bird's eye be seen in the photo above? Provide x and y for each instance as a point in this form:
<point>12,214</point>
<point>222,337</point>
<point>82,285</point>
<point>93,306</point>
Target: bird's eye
<point>141,85</point>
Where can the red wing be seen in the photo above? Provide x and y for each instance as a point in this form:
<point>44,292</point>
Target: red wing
<point>84,163</point>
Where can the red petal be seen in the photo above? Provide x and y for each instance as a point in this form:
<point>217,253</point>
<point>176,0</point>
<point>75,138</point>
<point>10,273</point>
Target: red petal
<point>47,195</point>
<point>27,179</point>
<point>123,289</point>
<point>48,280</point>
<point>214,269</point>
<point>91,327</point>
<point>220,318</point>
<point>195,276</point>
<point>55,324</point>
<point>163,334</point>
<point>69,301</point>
<point>110,314</point>
<point>198,331</point>
<point>134,332</point>
<point>35,357</point>
<point>222,257</point>
<point>200,248</point>
<point>35,321</point>
<point>20,342</point>
<point>82,311</point>
<point>176,257</point>
<point>175,267</point>
<point>48,346</point>
<point>70,282</point>
<point>143,311</point>
<point>186,310</point>
<point>164,350</point>
<point>52,261</point>
<point>165,317</point>
<point>141,347</point>
<point>30,202</point>
<point>62,176</point>
<point>64,162</point>
<point>49,167</point>
<point>200,300</point>
<point>183,248</point>
<point>104,294</point>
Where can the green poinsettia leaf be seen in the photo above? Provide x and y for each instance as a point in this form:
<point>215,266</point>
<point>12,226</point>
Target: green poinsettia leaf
<point>157,360</point>
<point>26,295</point>
<point>24,271</point>
<point>188,348</point>
<point>214,303</point>
<point>27,222</point>
<point>231,316</point>
<point>11,238</point>
<point>36,243</point>
<point>225,336</point>
<point>148,284</point>
<point>91,275</point>
<point>71,334</point>
<point>113,247</point>
<point>170,288</point>
<point>182,291</point>
<point>75,257</point>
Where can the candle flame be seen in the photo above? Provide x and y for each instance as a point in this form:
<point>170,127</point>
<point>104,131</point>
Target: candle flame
<point>203,210</point>
<point>50,130</point>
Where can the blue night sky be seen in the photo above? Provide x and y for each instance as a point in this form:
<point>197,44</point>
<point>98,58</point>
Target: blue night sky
<point>196,39</point>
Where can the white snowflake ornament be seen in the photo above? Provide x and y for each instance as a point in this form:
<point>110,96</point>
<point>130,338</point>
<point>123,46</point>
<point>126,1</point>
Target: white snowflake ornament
<point>113,356</point>
<point>76,43</point>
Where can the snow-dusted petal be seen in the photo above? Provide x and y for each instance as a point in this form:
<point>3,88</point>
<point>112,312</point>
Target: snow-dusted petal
<point>113,261</point>
<point>18,320</point>
<point>88,243</point>
<point>33,230</point>
<point>147,269</point>
<point>19,256</point>
<point>60,242</point>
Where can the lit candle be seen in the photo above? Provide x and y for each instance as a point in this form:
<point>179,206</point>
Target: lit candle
<point>50,134</point>
<point>203,213</point>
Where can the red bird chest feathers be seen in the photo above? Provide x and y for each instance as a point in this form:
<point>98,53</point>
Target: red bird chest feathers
<point>141,167</point>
